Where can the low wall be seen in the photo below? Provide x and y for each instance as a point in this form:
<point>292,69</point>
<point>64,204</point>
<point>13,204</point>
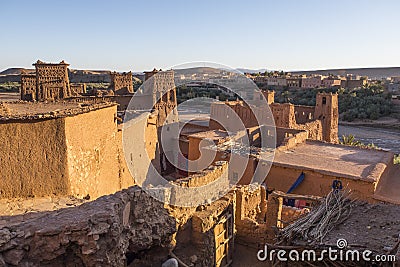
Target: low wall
<point>205,187</point>
<point>287,138</point>
<point>251,216</point>
<point>291,214</point>
<point>293,140</point>
<point>313,128</point>
<point>212,173</point>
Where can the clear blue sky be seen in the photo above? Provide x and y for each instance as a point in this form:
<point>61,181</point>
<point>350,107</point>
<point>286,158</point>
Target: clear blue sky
<point>140,35</point>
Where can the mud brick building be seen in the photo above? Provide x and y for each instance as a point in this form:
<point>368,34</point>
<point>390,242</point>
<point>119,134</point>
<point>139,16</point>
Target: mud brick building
<point>49,83</point>
<point>61,149</point>
<point>121,83</point>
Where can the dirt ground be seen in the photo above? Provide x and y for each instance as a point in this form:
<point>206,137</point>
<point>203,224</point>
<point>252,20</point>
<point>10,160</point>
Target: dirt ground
<point>245,256</point>
<point>373,226</point>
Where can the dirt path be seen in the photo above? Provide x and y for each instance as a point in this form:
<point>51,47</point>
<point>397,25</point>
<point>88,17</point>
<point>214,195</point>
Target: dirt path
<point>245,256</point>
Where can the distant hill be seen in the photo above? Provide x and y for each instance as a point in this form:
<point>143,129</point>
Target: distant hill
<point>244,70</point>
<point>15,71</point>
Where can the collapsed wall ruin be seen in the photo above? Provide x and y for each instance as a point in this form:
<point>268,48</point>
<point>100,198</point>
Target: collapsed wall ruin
<point>111,231</point>
<point>121,83</point>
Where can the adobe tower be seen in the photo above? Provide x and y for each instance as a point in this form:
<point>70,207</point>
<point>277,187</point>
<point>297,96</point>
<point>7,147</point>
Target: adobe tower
<point>327,111</point>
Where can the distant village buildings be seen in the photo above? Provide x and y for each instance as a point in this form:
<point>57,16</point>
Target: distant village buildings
<point>309,81</point>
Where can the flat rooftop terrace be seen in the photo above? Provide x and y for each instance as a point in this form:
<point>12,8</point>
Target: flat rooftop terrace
<point>211,134</point>
<point>337,160</point>
<point>20,110</point>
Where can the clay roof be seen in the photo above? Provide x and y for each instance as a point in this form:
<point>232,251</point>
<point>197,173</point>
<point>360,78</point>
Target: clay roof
<point>213,135</point>
<point>337,160</point>
<point>21,110</point>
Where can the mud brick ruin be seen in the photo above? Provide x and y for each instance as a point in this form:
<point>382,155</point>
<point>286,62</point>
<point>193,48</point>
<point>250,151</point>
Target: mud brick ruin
<point>68,199</point>
<point>121,83</point>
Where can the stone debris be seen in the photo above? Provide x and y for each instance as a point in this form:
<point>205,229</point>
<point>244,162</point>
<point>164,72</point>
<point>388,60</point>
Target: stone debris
<point>97,233</point>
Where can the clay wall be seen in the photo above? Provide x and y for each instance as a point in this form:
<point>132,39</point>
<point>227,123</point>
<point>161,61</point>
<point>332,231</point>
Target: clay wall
<point>283,115</point>
<point>249,201</point>
<point>79,155</point>
<point>289,138</point>
<point>304,114</point>
<point>33,158</point>
<point>250,216</point>
<point>77,89</point>
<point>327,111</point>
<point>205,223</point>
<point>121,83</point>
<point>141,135</point>
<point>281,178</point>
<point>220,113</point>
<point>290,214</point>
<point>351,84</point>
<point>121,100</point>
<point>226,113</point>
<point>216,176</point>
<point>321,121</point>
<point>93,153</point>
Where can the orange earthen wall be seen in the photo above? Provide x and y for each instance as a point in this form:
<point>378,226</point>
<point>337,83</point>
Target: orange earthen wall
<point>317,184</point>
<point>33,159</point>
<point>304,114</point>
<point>92,149</point>
<point>79,155</point>
<point>290,214</point>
